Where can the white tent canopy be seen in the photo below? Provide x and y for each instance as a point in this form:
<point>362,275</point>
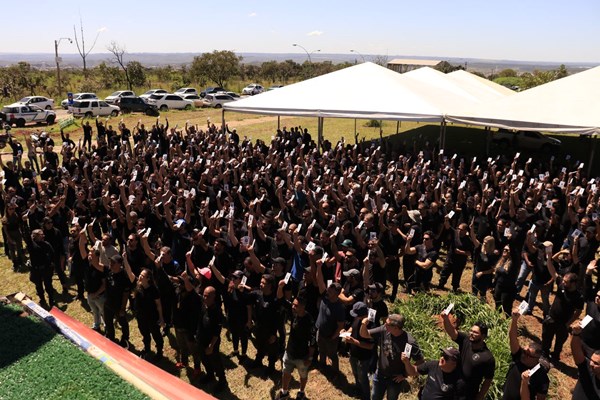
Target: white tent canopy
<point>451,95</point>
<point>484,89</point>
<point>570,104</point>
<point>366,91</point>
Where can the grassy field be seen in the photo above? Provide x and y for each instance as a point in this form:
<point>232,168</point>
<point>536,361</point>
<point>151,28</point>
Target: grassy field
<point>245,383</point>
<point>38,363</point>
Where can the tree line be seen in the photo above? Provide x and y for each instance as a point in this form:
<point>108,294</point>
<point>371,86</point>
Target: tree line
<point>220,68</point>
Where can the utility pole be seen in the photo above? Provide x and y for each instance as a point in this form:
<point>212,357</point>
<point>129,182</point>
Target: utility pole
<point>57,59</point>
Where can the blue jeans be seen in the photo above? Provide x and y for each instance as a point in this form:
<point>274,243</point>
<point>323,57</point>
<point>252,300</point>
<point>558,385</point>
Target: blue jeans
<point>386,386</point>
<point>534,288</point>
<point>523,274</point>
<point>360,370</point>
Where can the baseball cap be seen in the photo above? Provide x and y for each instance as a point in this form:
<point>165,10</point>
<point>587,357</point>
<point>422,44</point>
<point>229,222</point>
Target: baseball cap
<point>352,272</point>
<point>237,274</point>
<point>359,309</point>
<point>376,286</point>
<point>451,352</point>
<point>347,243</point>
<point>206,272</point>
<point>279,260</point>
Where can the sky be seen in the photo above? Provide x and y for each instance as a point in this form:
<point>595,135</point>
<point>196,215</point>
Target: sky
<point>521,30</point>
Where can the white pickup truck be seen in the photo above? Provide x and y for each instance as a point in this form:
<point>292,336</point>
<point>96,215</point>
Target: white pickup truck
<point>21,114</point>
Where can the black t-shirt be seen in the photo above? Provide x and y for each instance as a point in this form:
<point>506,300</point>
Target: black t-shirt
<point>356,351</point>
<point>92,278</point>
<point>565,303</point>
<point>441,385</point>
<point>266,309</point>
<point>477,365</point>
<point>591,334</point>
<point>145,303</point>
<point>329,316</point>
<point>209,325</point>
<point>423,254</point>
<point>117,284</point>
<point>588,386</point>
<point>302,337</point>
<point>538,383</point>
<point>391,347</point>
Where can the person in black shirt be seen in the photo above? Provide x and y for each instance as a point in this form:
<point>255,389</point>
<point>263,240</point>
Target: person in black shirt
<point>588,384</point>
<point>426,258</point>
<point>477,361</point>
<point>504,281</point>
<point>566,308</point>
<point>266,307</point>
<point>445,376</point>
<point>458,253</point>
<point>590,336</point>
<point>523,359</point>
<point>300,348</point>
<point>41,257</point>
<point>118,284</point>
<point>208,337</point>
<point>239,309</point>
<point>95,283</point>
<point>360,350</point>
<point>148,312</point>
<point>542,278</point>
<point>391,374</point>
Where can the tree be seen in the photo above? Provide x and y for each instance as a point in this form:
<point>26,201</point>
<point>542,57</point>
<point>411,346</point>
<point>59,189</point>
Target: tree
<point>269,70</point>
<point>106,75</point>
<point>218,66</point>
<point>81,47</point>
<point>381,60</point>
<point>137,73</point>
<point>119,52</point>
<point>507,73</point>
<point>446,67</point>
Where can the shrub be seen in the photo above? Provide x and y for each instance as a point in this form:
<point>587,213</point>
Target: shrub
<point>423,321</point>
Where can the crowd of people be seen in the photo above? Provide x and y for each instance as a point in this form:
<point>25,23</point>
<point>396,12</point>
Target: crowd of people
<point>296,248</point>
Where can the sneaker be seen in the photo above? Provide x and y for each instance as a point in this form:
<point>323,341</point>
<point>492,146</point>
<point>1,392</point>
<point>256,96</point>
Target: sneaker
<point>282,396</point>
<point>300,396</point>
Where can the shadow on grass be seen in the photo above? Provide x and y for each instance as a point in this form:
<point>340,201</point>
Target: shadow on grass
<point>20,335</point>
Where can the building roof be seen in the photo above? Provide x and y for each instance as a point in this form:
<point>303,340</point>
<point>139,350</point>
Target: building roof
<point>414,61</point>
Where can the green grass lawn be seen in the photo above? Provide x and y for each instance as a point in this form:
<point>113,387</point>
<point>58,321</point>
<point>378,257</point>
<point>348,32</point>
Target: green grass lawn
<point>38,363</point>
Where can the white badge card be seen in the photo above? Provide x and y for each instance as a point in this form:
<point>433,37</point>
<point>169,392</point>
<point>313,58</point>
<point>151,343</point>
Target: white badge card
<point>360,224</point>
<point>534,369</point>
<point>310,247</point>
<point>372,314</point>
<point>451,214</point>
<point>329,282</point>
<point>506,232</point>
<point>250,219</point>
<point>372,235</point>
<point>345,334</point>
<point>407,349</point>
<point>337,230</point>
<point>585,321</point>
<point>244,280</point>
<point>411,233</point>
<point>448,309</point>
<point>287,277</point>
<point>523,307</point>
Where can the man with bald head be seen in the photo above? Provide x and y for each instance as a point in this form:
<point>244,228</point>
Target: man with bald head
<point>208,337</point>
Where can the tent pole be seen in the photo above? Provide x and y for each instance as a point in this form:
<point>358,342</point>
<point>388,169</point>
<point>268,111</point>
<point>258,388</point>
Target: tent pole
<point>278,122</point>
<point>354,126</point>
<point>488,137</point>
<point>591,161</point>
<point>397,127</point>
<point>443,134</point>
<point>223,129</point>
<point>320,133</point>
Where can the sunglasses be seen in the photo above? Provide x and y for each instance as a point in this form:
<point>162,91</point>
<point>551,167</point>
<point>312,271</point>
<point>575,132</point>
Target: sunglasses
<point>446,357</point>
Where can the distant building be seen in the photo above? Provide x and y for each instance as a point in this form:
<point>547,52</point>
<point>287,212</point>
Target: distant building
<point>403,65</point>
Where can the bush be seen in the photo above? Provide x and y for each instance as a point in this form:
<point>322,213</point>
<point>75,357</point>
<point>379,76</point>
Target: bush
<point>374,123</point>
<point>423,321</point>
<point>38,363</point>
